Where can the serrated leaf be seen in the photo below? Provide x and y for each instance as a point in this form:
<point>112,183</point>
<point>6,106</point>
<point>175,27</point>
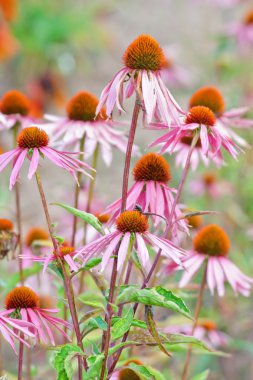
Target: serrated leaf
<point>95,364</point>
<point>202,375</point>
<point>88,218</point>
<point>96,323</point>
<point>153,297</point>
<point>62,361</point>
<point>153,329</point>
<point>122,325</point>
<point>146,372</point>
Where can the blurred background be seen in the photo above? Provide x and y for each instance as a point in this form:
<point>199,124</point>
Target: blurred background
<point>52,49</point>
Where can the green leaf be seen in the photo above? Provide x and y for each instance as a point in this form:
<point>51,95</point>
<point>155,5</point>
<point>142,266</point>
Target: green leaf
<point>153,329</point>
<point>122,325</point>
<point>85,216</point>
<point>153,297</point>
<point>92,299</point>
<point>92,263</point>
<point>202,375</point>
<point>96,323</point>
<point>146,372</point>
<point>62,361</point>
<point>95,364</point>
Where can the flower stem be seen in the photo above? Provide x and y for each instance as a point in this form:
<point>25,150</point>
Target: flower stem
<point>195,324</point>
<point>77,192</point>
<point>20,359</point>
<point>18,214</point>
<point>67,283</point>
<point>109,313</point>
<point>168,229</point>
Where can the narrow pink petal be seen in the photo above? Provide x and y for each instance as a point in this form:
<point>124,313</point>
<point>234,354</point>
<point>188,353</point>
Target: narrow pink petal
<point>17,166</point>
<point>123,250</point>
<point>34,163</point>
<point>142,250</point>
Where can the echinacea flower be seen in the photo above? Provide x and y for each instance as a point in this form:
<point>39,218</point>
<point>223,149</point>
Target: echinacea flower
<point>211,245</point>
<point>210,185</point>
<point>8,44</point>
<point>199,119</point>
<point>125,372</point>
<point>13,329</point>
<point>36,242</point>
<point>8,9</point>
<point>206,330</point>
<point>131,231</point>
<point>212,98</point>
<point>150,191</point>
<point>243,31</point>
<point>15,109</point>
<point>24,303</point>
<point>143,61</point>
<point>8,238</point>
<point>65,253</point>
<point>80,123</point>
<point>33,144</point>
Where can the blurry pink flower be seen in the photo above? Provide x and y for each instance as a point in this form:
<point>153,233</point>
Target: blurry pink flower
<point>24,302</point>
<point>33,143</point>
<point>211,244</point>
<point>172,73</point>
<point>243,31</point>
<point>10,328</point>
<point>150,191</point>
<point>143,62</point>
<point>65,253</point>
<point>15,108</point>
<point>211,185</point>
<point>206,331</point>
<point>212,98</point>
<point>131,226</point>
<point>221,3</point>
<point>199,119</point>
<point>81,123</point>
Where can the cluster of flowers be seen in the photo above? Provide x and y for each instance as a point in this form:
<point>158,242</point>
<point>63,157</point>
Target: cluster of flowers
<point>199,133</point>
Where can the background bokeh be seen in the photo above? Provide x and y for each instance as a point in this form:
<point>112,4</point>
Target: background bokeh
<point>56,48</point>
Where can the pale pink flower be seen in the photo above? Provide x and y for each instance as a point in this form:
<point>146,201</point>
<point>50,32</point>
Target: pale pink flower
<point>80,123</point>
<point>15,108</point>
<point>33,143</point>
<point>202,120</point>
<point>13,329</point>
<point>210,185</point>
<point>131,229</point>
<point>226,120</point>
<point>143,62</point>
<point>243,31</point>
<point>151,192</point>
<point>24,302</point>
<point>211,246</point>
<point>206,331</point>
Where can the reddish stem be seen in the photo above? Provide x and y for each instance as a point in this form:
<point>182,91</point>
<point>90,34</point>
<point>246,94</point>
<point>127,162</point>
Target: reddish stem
<point>109,311</point>
<point>20,358</point>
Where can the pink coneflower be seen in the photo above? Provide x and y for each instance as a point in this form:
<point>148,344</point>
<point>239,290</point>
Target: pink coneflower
<point>65,253</point>
<point>125,372</point>
<point>25,303</point>
<point>150,190</point>
<point>143,61</point>
<point>243,31</point>
<point>12,329</point>
<point>8,238</point>
<point>131,228</point>
<point>210,185</point>
<point>212,98</point>
<point>33,143</point>
<point>81,123</point>
<point>15,108</point>
<point>212,244</point>
<point>206,330</point>
<point>199,119</point>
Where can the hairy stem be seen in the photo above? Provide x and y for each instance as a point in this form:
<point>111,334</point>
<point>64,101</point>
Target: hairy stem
<point>109,313</point>
<point>67,283</point>
<point>195,324</point>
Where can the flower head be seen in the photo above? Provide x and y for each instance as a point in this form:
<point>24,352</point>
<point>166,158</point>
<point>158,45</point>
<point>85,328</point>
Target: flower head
<point>80,121</point>
<point>35,233</point>
<point>33,143</point>
<point>150,191</point>
<point>143,62</point>
<point>6,225</point>
<point>131,233</point>
<point>26,303</point>
<point>8,238</point>
<point>211,246</point>
<point>210,97</point>
<point>200,115</point>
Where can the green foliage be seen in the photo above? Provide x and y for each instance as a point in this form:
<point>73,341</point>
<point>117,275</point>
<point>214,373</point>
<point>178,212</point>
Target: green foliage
<point>85,216</point>
<point>62,361</point>
<point>157,296</point>
<point>202,376</point>
<point>122,325</point>
<point>14,279</point>
<point>146,372</point>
